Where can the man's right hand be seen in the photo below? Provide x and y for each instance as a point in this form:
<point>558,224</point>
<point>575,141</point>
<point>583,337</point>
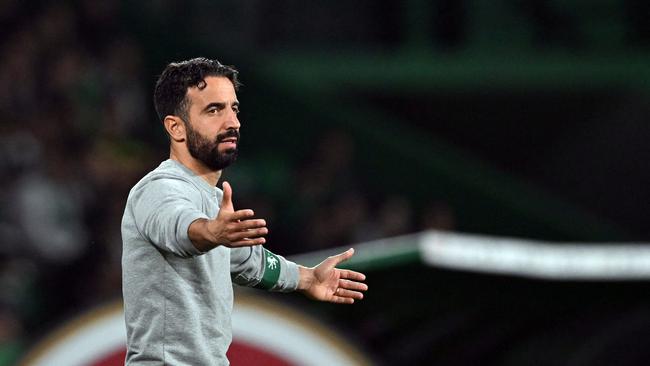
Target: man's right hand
<point>230,228</point>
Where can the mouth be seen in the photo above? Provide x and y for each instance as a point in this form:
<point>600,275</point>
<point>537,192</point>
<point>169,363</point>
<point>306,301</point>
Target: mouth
<point>229,142</point>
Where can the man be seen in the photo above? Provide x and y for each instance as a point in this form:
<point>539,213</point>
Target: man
<point>184,244</point>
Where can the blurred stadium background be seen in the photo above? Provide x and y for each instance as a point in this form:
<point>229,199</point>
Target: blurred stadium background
<point>362,120</point>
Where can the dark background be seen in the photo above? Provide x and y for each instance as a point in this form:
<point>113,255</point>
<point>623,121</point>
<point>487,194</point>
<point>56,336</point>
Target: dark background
<point>361,120</point>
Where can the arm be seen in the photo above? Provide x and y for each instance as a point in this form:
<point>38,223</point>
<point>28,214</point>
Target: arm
<point>325,282</point>
<point>256,266</point>
<point>161,210</point>
<point>230,228</point>
<point>265,270</point>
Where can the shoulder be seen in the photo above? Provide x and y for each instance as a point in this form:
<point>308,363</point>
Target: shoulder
<point>166,179</point>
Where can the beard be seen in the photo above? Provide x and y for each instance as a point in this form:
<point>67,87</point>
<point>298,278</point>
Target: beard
<point>207,151</point>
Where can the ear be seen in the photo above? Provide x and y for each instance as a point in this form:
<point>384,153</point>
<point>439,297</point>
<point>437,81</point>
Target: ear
<point>175,127</point>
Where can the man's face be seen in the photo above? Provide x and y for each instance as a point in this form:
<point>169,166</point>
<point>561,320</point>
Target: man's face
<point>213,128</point>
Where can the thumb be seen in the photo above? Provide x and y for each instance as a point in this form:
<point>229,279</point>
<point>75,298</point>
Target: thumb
<point>226,200</point>
<point>339,258</point>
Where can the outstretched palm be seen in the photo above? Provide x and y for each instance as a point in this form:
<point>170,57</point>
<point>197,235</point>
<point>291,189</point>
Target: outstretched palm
<point>325,282</point>
<point>236,228</point>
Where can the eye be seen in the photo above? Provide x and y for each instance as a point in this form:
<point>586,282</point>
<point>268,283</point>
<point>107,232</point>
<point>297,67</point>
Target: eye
<point>235,109</point>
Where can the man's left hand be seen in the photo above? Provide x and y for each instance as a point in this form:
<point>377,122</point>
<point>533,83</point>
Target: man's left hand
<point>325,282</point>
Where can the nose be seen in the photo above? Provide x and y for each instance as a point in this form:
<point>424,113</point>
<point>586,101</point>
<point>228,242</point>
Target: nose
<point>232,121</point>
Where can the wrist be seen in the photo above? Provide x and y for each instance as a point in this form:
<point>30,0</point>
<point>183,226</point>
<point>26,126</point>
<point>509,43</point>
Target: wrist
<point>201,236</point>
<point>306,278</point>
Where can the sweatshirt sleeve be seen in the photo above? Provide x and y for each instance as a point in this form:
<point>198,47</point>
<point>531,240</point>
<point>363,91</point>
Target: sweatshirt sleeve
<point>258,267</point>
<point>163,210</point>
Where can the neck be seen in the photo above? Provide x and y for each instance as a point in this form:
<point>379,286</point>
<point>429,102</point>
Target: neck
<point>210,176</point>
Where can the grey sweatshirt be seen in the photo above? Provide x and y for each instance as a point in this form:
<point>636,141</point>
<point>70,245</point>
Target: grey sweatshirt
<point>177,300</point>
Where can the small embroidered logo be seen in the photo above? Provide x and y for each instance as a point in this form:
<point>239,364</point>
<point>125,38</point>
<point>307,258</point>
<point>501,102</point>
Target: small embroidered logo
<point>272,262</point>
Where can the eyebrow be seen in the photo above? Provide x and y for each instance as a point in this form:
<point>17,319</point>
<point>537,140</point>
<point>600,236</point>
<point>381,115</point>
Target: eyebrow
<point>219,105</point>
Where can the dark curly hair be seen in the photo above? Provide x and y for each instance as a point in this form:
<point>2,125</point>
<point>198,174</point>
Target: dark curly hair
<point>170,94</point>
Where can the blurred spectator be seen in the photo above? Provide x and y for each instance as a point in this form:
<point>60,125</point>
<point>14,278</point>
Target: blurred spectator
<point>18,73</point>
<point>438,215</point>
<point>111,167</point>
<point>329,204</point>
<point>393,217</point>
<point>99,23</point>
<point>396,216</point>
<point>329,169</point>
<point>50,207</point>
<point>55,27</point>
<point>126,97</point>
<point>10,332</point>
<point>334,223</point>
<point>17,280</point>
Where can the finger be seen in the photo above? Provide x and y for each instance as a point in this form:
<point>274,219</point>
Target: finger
<point>343,256</point>
<point>352,285</point>
<point>248,234</point>
<point>248,224</point>
<point>341,292</point>
<point>352,275</point>
<point>342,300</point>
<point>247,243</point>
<point>226,200</point>
<point>241,214</point>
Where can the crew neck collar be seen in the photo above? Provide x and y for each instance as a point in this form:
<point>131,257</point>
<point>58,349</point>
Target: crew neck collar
<point>197,179</point>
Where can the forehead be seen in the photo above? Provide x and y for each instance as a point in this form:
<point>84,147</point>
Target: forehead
<point>218,89</point>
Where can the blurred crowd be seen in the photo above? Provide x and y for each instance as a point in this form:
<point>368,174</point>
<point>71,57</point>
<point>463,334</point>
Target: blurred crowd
<point>76,134</point>
<point>73,137</point>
